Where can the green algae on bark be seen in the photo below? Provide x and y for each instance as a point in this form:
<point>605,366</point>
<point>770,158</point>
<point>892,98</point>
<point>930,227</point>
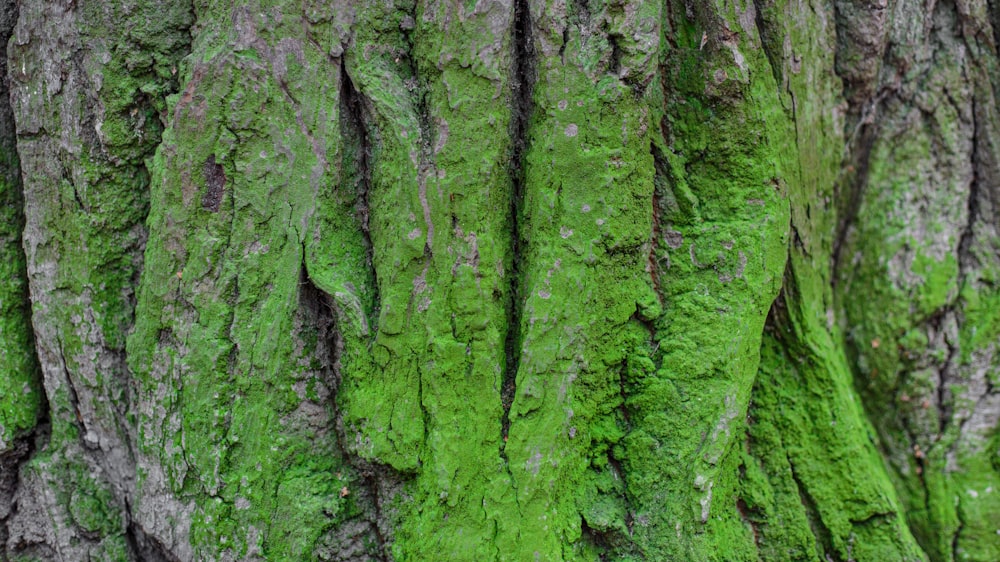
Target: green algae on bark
<point>232,348</point>
<point>85,102</point>
<point>496,281</point>
<point>921,245</point>
<point>584,225</point>
<point>439,228</point>
<point>21,395</point>
<point>718,259</point>
<point>815,486</point>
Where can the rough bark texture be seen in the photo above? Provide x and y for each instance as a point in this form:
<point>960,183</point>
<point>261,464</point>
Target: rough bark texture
<point>493,280</point>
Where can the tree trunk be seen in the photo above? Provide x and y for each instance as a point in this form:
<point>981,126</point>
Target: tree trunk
<point>493,280</point>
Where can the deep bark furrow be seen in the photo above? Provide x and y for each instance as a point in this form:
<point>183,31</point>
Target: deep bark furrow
<point>850,187</point>
<point>972,201</point>
<point>861,47</point>
<point>816,523</point>
<point>366,526</point>
<point>23,404</point>
<point>353,119</point>
<point>12,457</point>
<point>145,547</point>
<point>956,553</point>
<point>522,80</point>
<point>769,41</point>
<point>658,236</point>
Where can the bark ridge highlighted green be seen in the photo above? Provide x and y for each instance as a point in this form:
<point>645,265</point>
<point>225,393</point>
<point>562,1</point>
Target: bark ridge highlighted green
<point>500,280</point>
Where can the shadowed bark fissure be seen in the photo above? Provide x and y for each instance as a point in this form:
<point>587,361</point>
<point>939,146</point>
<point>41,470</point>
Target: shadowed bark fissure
<point>356,178</point>
<point>23,388</point>
<point>861,46</point>
<point>851,184</point>
<point>350,539</point>
<point>354,125</point>
<point>522,80</point>
<point>144,546</point>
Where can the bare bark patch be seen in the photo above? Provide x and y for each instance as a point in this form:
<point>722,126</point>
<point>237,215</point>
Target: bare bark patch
<point>215,184</point>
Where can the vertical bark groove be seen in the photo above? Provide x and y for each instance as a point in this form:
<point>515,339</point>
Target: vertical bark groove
<point>522,81</point>
<point>355,127</point>
<point>23,405</point>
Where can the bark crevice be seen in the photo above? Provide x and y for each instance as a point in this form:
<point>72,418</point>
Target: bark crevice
<point>11,460</point>
<point>374,525</point>
<point>824,538</point>
<point>965,256</point>
<point>22,447</point>
<point>861,52</point>
<point>770,43</point>
<point>850,190</point>
<point>659,180</point>
<point>353,114</point>
<point>145,546</point>
<point>522,83</point>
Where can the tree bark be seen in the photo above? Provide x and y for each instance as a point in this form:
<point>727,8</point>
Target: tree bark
<point>494,280</point>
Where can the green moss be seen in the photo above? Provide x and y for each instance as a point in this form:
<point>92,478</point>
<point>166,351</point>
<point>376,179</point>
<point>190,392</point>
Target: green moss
<point>89,505</point>
<point>818,455</point>
<point>722,225</point>
<point>86,200</point>
<point>248,434</point>
<point>21,393</point>
<point>367,301</point>
<point>813,483</point>
<point>85,495</point>
<point>914,279</point>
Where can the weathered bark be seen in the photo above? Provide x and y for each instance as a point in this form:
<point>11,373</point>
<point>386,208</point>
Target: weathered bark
<point>500,280</point>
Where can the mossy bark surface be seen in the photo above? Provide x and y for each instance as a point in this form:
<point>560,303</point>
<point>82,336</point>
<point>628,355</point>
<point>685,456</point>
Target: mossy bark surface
<point>529,280</point>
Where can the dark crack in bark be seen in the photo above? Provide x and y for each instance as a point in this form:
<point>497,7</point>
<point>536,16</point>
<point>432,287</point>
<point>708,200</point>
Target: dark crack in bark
<point>522,81</point>
<point>11,460</point>
<point>355,133</point>
<point>771,41</point>
<point>21,449</point>
<point>660,166</point>
<point>862,46</point>
<point>850,190</point>
<point>348,539</point>
<point>215,183</point>
<point>375,485</point>
<point>145,546</point>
